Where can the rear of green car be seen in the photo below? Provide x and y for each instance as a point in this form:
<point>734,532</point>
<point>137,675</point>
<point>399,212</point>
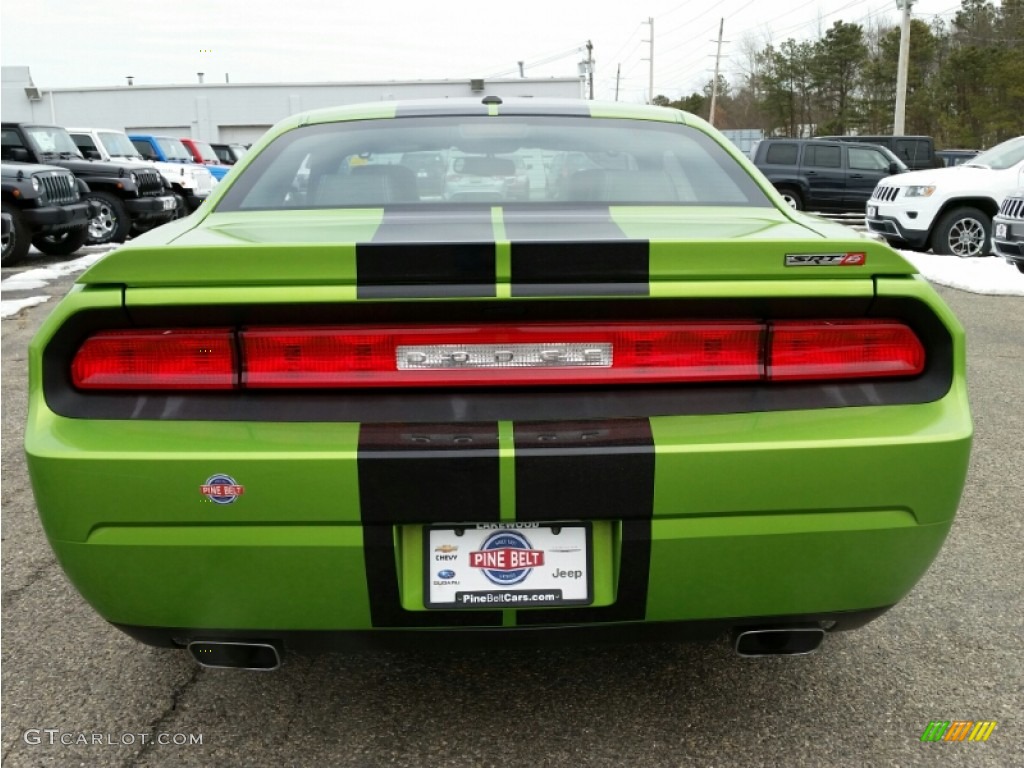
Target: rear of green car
<point>795,470</point>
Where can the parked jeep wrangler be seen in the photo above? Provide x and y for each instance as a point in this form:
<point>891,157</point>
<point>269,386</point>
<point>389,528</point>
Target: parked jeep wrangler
<point>203,153</point>
<point>229,154</point>
<point>132,198</point>
<point>190,183</point>
<point>42,205</point>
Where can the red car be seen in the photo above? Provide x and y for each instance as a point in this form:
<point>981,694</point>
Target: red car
<point>203,153</point>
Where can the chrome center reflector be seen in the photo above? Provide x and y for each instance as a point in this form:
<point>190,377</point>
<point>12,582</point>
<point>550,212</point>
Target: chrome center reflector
<point>551,355</point>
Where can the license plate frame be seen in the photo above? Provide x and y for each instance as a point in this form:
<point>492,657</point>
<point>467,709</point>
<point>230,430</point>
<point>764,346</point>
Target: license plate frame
<point>562,573</point>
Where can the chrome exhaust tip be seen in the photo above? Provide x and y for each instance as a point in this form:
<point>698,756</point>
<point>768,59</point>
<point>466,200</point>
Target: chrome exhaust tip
<point>232,654</point>
<point>778,641</point>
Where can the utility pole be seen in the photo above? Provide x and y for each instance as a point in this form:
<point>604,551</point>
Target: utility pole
<point>714,83</point>
<point>650,83</point>
<point>899,122</point>
<point>590,67</point>
<point>618,76</point>
<point>521,69</point>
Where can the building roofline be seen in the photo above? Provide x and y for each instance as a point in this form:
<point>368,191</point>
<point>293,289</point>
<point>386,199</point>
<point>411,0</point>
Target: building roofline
<point>324,83</point>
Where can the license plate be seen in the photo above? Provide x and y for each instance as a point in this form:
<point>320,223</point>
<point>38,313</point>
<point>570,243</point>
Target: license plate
<point>1000,230</point>
<point>872,211</point>
<point>169,204</point>
<point>507,565</point>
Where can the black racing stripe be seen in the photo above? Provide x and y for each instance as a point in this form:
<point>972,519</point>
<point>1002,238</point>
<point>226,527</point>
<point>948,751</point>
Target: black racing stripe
<point>428,473</point>
<point>416,255</point>
<point>617,268</point>
<point>600,470</point>
<point>585,254</point>
<point>431,110</point>
<point>422,474</point>
<point>594,470</point>
<point>631,597</point>
<point>573,224</point>
<point>429,270</point>
<point>544,108</point>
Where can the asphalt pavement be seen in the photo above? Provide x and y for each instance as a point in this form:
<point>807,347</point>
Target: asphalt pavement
<point>78,692</point>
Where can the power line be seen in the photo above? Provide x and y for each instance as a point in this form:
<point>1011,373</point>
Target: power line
<point>691,63</point>
<point>539,62</point>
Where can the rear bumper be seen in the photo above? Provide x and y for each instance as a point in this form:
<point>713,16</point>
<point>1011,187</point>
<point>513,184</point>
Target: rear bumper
<point>476,639</point>
<point>747,515</point>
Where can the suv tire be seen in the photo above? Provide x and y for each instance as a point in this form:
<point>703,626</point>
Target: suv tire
<point>61,243</point>
<point>180,208</point>
<point>963,232</point>
<point>111,224</point>
<point>15,245</point>
<point>792,198</point>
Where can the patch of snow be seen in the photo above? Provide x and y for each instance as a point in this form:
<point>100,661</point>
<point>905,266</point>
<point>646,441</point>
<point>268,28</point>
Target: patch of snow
<point>14,306</point>
<point>990,275</point>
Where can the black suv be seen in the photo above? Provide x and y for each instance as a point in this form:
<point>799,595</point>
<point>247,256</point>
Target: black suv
<point>130,198</point>
<point>42,206</point>
<point>817,175</point>
<point>916,152</point>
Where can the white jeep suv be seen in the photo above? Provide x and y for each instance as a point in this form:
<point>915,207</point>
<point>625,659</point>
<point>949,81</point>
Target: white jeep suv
<point>191,183</point>
<point>949,210</point>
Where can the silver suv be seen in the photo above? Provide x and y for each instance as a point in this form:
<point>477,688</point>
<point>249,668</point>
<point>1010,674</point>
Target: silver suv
<point>1008,229</point>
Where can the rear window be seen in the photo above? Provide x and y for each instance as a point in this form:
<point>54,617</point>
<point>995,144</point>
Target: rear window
<point>541,160</point>
<point>782,154</point>
<point>205,150</point>
<point>824,156</point>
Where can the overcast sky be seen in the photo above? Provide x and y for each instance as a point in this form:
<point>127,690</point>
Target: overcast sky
<point>99,42</point>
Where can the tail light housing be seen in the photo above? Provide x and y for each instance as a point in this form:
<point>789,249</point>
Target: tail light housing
<point>527,354</point>
<point>192,358</point>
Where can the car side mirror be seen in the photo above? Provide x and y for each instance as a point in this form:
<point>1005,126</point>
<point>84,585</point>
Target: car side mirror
<point>20,155</point>
<point>894,168</point>
<point>92,154</point>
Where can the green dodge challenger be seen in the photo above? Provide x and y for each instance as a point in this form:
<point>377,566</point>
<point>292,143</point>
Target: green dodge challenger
<point>484,367</point>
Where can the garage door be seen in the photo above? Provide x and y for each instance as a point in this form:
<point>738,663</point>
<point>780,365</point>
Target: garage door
<point>241,134</point>
<point>177,131</point>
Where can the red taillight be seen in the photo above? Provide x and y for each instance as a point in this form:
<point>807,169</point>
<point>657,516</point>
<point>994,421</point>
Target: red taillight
<point>528,354</point>
<point>621,353</point>
<point>843,349</point>
<point>157,359</point>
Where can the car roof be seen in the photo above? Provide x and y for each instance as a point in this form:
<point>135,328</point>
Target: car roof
<point>503,106</point>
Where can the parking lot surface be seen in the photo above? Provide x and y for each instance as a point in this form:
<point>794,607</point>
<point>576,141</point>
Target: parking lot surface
<point>78,692</point>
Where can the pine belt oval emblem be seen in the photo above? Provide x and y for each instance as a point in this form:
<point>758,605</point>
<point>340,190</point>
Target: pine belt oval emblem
<point>221,489</point>
<point>506,558</point>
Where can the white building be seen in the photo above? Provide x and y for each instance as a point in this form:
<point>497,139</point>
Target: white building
<point>233,112</point>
